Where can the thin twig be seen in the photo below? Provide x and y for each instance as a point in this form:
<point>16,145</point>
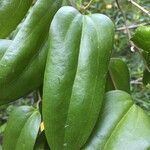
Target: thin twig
<point>137,81</point>
<point>132,26</point>
<point>39,100</point>
<point>88,5</point>
<point>126,27</point>
<point>84,8</point>
<point>133,46</point>
<point>140,7</point>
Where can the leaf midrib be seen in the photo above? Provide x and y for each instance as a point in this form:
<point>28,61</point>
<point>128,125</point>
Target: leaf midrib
<point>116,126</point>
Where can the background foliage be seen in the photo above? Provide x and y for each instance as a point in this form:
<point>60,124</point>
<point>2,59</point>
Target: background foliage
<point>134,18</point>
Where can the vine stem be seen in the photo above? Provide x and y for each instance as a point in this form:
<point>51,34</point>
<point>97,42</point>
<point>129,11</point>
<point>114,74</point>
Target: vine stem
<point>88,5</point>
<point>126,26</point>
<point>140,7</point>
<point>39,100</point>
<point>132,26</point>
<point>84,8</point>
<point>133,46</point>
<point>137,81</point>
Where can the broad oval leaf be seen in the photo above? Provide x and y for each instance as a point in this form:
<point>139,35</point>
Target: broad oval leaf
<point>75,76</point>
<point>11,14</point>
<point>33,30</point>
<point>118,76</point>
<point>22,129</point>
<point>122,125</point>
<point>32,76</point>
<point>142,39</point>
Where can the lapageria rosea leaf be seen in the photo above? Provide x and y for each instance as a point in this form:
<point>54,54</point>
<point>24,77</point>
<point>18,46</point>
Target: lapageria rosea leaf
<point>74,84</point>
<point>30,79</point>
<point>118,76</point>
<point>11,14</point>
<point>122,125</point>
<point>22,129</point>
<point>28,41</point>
<point>142,38</point>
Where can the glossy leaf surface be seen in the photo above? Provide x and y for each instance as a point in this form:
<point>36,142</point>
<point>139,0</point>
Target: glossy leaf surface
<point>122,125</point>
<point>142,38</point>
<point>118,76</point>
<point>75,76</point>
<point>11,14</point>
<point>22,129</point>
<point>30,79</point>
<point>28,41</point>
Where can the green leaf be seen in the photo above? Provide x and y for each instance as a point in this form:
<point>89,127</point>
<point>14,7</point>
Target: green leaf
<point>122,125</point>
<point>11,14</point>
<point>109,83</point>
<point>31,81</point>
<point>75,76</point>
<point>4,44</point>
<point>118,76</point>
<point>22,129</point>
<point>142,38</point>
